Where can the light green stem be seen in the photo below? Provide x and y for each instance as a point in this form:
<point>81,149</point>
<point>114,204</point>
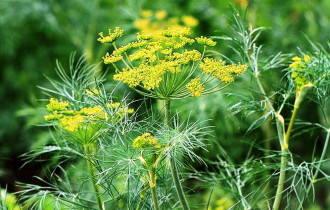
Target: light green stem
<point>174,169</point>
<point>89,150</point>
<point>281,180</point>
<point>153,182</point>
<point>285,147</point>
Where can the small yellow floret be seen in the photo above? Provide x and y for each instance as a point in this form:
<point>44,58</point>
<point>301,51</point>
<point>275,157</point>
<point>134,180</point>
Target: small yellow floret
<point>189,21</point>
<point>142,24</point>
<point>113,105</point>
<point>52,117</point>
<point>93,112</point>
<point>146,13</point>
<point>145,141</point>
<point>55,105</point>
<point>307,58</point>
<point>195,87</point>
<point>176,32</point>
<point>297,67</point>
<point>160,15</point>
<point>225,73</point>
<point>71,123</point>
<point>206,41</point>
<point>113,36</point>
<point>111,58</point>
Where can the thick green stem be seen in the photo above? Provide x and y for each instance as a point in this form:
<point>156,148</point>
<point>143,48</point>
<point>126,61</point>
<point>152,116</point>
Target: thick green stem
<point>90,149</point>
<point>284,150</point>
<point>153,182</point>
<point>281,180</point>
<point>174,169</point>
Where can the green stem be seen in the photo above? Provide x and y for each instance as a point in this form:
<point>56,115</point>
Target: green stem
<point>174,169</point>
<point>284,151</point>
<point>153,182</point>
<point>281,180</point>
<point>89,149</point>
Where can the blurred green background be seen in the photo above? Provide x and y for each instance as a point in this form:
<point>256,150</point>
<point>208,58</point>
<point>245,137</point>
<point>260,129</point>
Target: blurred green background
<point>34,33</point>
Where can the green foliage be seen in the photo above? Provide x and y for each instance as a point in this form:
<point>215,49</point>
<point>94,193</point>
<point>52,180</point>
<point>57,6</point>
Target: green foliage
<point>226,145</point>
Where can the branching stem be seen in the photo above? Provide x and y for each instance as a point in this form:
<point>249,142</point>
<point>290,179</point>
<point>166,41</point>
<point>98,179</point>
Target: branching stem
<point>285,147</point>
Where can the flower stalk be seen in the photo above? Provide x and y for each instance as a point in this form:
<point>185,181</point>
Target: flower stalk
<point>89,150</point>
<point>174,169</point>
<point>300,95</point>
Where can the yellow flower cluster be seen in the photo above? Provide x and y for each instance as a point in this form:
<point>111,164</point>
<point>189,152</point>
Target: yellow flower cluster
<point>113,36</point>
<point>129,46</point>
<point>96,112</point>
<point>218,68</point>
<point>73,123</point>
<point>159,64</point>
<point>146,141</point>
<point>297,67</point>
<point>55,105</point>
<point>87,118</point>
<point>205,41</point>
<point>111,59</point>
<point>154,22</point>
<point>189,21</point>
<point>195,86</point>
<point>156,55</point>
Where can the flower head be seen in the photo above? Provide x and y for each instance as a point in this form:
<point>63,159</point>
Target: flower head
<point>159,64</point>
<point>195,87</point>
<point>86,123</point>
<point>160,15</point>
<point>55,105</point>
<point>111,59</point>
<point>189,21</point>
<point>206,41</point>
<point>297,66</point>
<point>113,36</point>
<point>146,141</point>
<point>218,68</point>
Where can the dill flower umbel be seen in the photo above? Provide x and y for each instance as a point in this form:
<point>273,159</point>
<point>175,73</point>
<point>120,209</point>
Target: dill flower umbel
<point>205,41</point>
<point>297,66</point>
<point>160,15</point>
<point>146,141</point>
<point>189,21</point>
<point>156,21</point>
<point>55,105</point>
<point>195,87</point>
<point>160,65</point>
<point>85,124</point>
<point>113,36</point>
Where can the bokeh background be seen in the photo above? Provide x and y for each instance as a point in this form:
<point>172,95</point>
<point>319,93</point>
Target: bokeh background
<point>36,33</point>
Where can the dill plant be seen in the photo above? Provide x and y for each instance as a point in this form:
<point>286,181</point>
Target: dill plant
<point>86,118</point>
<point>167,65</point>
<point>306,76</point>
